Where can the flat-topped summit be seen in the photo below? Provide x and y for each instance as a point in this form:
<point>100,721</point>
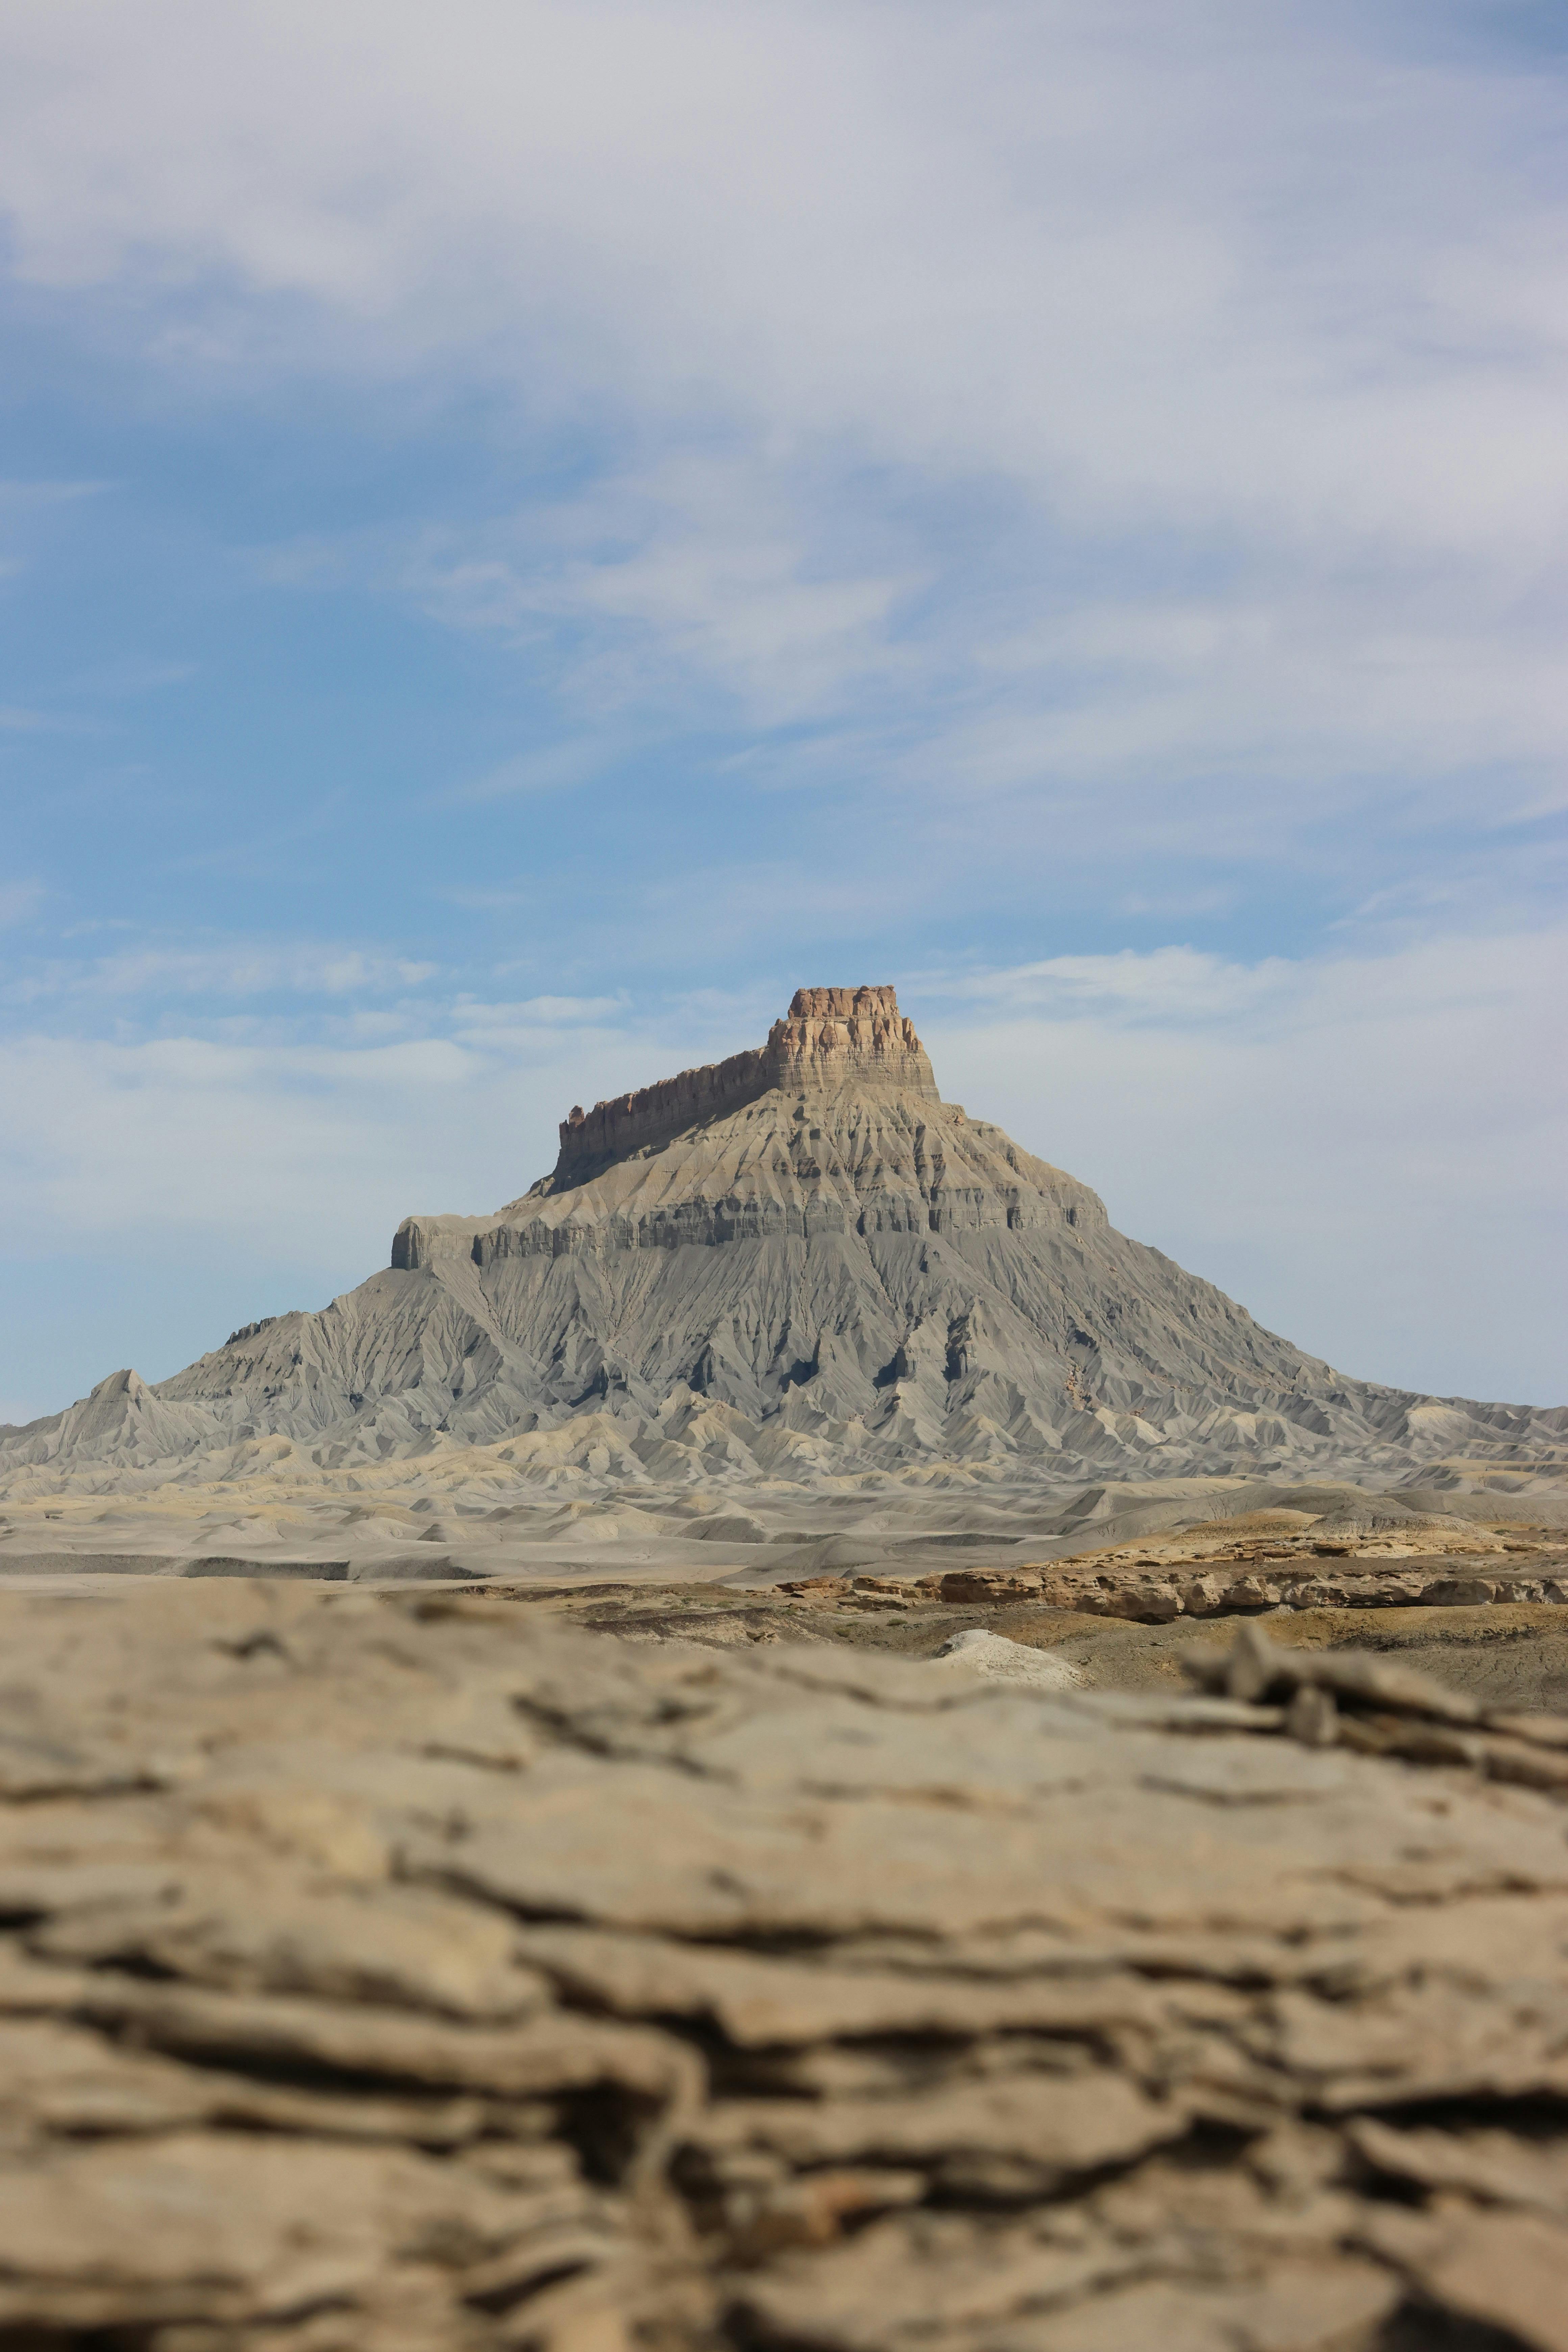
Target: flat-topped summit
<point>830,1038</point>
<point>798,1265</point>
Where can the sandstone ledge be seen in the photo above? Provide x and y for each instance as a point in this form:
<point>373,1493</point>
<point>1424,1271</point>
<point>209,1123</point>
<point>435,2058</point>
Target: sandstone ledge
<point>423,1976</point>
<point>1152,1589</point>
<point>830,1037</point>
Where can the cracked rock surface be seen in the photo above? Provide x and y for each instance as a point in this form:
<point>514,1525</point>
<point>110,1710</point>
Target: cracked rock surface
<point>420,1976</point>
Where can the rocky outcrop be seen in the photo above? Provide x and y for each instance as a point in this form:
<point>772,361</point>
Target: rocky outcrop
<point>858,1276</point>
<point>592,1140</point>
<point>421,1979</point>
<point>835,1037</point>
<point>1436,1563</point>
<point>830,1038</point>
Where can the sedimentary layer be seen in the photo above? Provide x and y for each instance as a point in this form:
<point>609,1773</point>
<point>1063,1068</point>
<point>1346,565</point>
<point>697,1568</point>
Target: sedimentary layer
<point>800,1264</point>
<point>829,1037</point>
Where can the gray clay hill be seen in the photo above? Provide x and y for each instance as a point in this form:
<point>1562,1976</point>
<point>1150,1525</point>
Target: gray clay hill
<point>799,1267</point>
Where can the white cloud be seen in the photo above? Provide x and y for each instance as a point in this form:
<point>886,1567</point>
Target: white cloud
<point>304,1153</point>
<point>281,1153</point>
<point>971,241</point>
<point>718,570</point>
<point>1270,284</point>
<point>533,1013</point>
<point>228,969</point>
<point>1164,984</point>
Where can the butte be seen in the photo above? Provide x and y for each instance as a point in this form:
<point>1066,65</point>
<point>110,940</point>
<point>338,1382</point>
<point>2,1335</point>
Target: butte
<point>795,1274</point>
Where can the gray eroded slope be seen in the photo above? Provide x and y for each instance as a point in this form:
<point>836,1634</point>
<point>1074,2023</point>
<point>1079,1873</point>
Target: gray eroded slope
<point>826,1270</point>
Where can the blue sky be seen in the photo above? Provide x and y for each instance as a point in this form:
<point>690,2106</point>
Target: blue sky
<point>527,531</point>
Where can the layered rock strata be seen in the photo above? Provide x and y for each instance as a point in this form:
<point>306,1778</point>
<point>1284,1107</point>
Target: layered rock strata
<point>830,1038</point>
<point>1434,1564</point>
<point>799,1265</point>
<point>425,1980</point>
<point>1153,1595</point>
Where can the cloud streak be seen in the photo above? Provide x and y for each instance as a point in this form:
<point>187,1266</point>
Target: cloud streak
<point>1277,285</point>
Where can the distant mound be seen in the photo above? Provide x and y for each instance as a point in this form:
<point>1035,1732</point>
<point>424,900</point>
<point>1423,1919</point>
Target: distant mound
<point>798,1265</point>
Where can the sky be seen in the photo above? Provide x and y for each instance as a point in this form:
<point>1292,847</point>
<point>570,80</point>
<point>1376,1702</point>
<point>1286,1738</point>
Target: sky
<point>530,529</point>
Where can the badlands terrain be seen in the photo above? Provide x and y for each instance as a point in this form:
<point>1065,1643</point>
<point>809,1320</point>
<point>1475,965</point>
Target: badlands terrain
<point>788,1317</point>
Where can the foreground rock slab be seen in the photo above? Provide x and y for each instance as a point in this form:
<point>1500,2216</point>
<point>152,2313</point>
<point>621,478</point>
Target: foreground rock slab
<point>413,1975</point>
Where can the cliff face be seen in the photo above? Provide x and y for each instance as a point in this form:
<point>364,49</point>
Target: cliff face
<point>592,1140</point>
<point>830,1038</point>
<point>807,1240</point>
<point>837,1037</point>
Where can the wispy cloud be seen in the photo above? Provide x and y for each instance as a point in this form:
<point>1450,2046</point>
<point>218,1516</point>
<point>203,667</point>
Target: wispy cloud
<point>544,1012</point>
<point>149,974</point>
<point>1177,983</point>
<point>1146,286</point>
